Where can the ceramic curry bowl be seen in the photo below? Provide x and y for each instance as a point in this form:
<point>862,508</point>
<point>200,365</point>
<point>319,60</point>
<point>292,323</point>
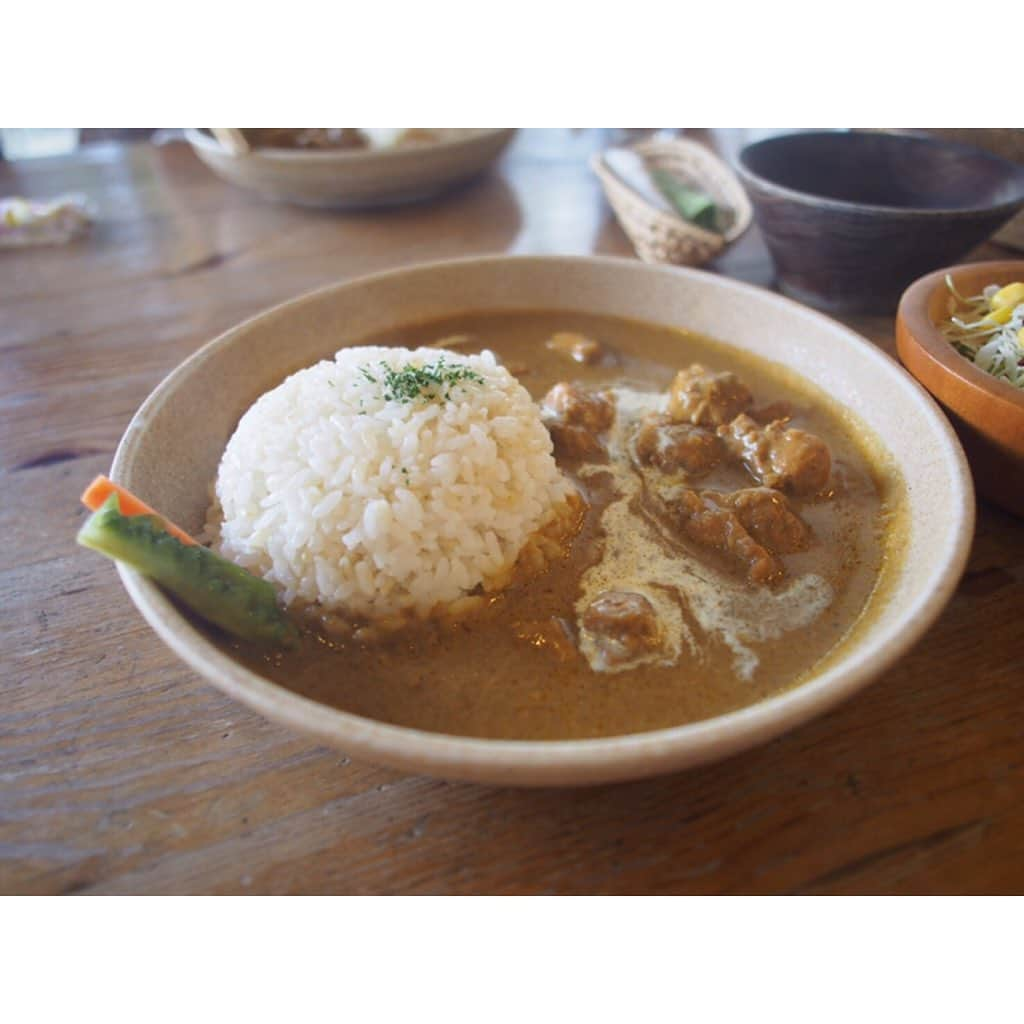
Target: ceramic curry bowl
<point>171,451</point>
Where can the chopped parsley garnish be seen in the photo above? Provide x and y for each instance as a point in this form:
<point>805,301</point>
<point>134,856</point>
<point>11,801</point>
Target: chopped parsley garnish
<point>430,382</point>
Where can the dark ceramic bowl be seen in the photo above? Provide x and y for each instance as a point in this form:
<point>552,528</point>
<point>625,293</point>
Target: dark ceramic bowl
<point>851,218</point>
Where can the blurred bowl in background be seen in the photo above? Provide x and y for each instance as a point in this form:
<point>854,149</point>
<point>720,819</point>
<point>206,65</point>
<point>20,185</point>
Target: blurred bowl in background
<point>988,414</point>
<point>1007,143</point>
<point>355,178</point>
<point>851,218</point>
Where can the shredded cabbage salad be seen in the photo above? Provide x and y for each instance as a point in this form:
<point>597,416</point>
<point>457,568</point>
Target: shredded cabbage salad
<point>988,329</point>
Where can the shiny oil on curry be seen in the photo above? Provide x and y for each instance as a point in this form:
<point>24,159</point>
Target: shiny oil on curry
<point>701,580</point>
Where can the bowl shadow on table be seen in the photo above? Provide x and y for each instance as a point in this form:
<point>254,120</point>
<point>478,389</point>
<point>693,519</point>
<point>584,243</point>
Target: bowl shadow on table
<point>882,794</point>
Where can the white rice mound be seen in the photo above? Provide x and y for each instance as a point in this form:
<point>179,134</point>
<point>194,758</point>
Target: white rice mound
<point>372,508</point>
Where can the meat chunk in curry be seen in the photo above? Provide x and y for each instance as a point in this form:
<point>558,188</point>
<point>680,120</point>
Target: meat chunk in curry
<point>577,347</point>
<point>714,525</point>
<point>764,414</point>
<point>706,399</point>
<point>677,447</point>
<point>624,625</point>
<point>574,417</point>
<point>779,456</point>
<point>767,516</point>
<point>577,406</point>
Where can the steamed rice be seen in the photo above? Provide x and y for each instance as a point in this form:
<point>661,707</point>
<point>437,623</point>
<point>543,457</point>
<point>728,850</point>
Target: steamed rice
<point>375,507</point>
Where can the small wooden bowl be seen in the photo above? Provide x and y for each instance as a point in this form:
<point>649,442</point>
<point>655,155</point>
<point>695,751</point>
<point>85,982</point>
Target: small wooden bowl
<point>660,236</point>
<point>988,414</point>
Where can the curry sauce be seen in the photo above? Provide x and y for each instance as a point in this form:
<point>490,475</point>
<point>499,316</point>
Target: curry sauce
<point>522,668</point>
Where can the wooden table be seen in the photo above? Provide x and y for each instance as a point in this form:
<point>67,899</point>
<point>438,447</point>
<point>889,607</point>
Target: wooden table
<point>121,771</point>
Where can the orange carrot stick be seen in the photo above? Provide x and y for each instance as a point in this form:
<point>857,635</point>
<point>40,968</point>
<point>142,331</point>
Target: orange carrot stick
<point>101,488</point>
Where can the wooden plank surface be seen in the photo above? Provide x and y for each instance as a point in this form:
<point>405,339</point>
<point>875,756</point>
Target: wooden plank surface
<point>121,771</point>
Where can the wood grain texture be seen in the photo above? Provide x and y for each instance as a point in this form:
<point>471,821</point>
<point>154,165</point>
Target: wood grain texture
<point>120,771</point>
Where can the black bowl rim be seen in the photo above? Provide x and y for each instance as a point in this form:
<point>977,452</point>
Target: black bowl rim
<point>843,205</point>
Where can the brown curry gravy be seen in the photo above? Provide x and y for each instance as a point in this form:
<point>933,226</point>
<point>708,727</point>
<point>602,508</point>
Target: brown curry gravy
<point>504,675</point>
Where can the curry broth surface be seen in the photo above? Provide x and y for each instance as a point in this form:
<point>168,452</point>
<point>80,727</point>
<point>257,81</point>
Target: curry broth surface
<point>504,674</point>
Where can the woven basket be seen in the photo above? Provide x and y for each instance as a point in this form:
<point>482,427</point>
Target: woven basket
<point>663,237</point>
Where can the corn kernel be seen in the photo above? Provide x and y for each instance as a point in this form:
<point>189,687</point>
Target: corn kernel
<point>999,316</point>
<point>1008,297</point>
